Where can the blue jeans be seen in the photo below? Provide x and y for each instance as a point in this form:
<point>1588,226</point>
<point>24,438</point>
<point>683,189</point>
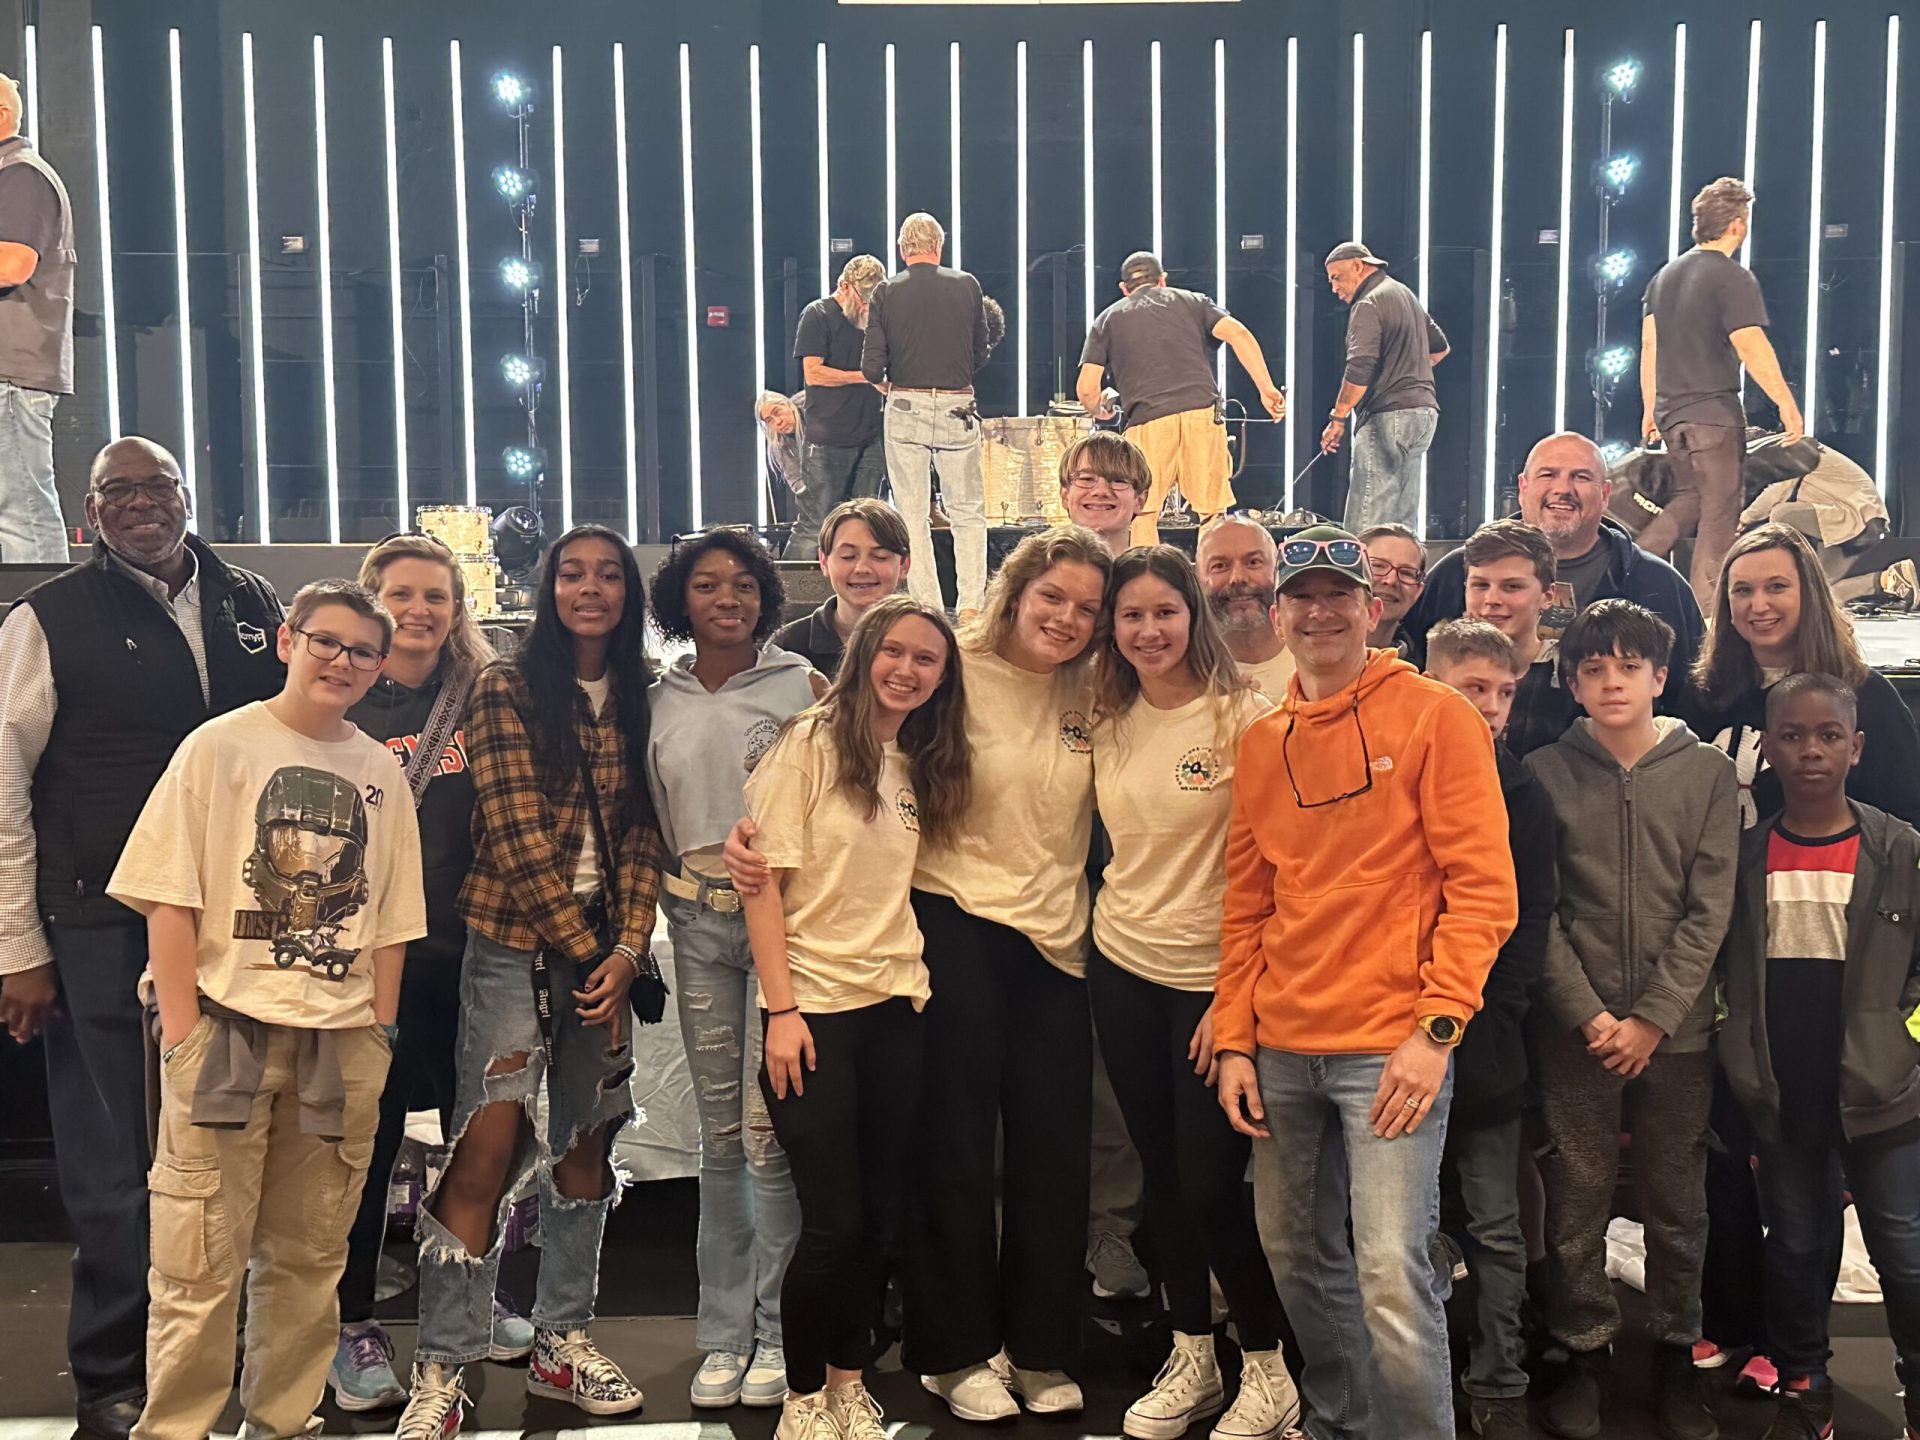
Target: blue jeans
<point>749,1214</point>
<point>832,473</point>
<point>1485,1163</point>
<point>923,434</point>
<point>1372,1331</point>
<point>1384,485</point>
<point>30,529</point>
<point>1800,1193</point>
<point>589,1089</point>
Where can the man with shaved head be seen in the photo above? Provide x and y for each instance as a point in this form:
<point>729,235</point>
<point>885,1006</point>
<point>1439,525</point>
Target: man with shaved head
<point>1564,491</point>
<point>104,669</point>
<point>36,340</point>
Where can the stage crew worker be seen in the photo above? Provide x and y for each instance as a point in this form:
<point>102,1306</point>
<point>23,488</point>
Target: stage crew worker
<point>1387,400</point>
<point>926,335</point>
<point>843,457</point>
<point>103,671</point>
<point>1158,342</point>
<point>1704,318</point>
<point>36,340</point>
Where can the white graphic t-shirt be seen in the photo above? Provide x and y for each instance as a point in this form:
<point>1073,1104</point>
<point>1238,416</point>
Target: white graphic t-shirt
<point>302,857</point>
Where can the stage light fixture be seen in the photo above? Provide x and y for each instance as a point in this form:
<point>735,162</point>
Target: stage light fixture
<point>464,264</point>
<point>1613,362</point>
<point>826,193</point>
<point>1220,196</point>
<point>761,499</point>
<point>511,91</point>
<point>1563,287</point>
<point>1616,174</point>
<point>396,286</point>
<point>1614,451</point>
<point>562,347</point>
<point>629,370</point>
<point>692,263</point>
<point>1623,80</point>
<point>1424,274</point>
<point>953,152</point>
<point>1675,169</point>
<point>1359,130</point>
<point>1159,234</point>
<point>1293,249</point>
<point>523,462</point>
<point>323,278</point>
<point>1752,152</point>
<point>30,54</point>
<point>256,345</point>
<point>1613,269</point>
<point>189,446</point>
<point>893,165</point>
<point>512,184</point>
<point>108,321</point>
<point>521,371</point>
<point>1815,224</point>
<point>1497,225</point>
<point>520,274</point>
<point>1086,171</point>
<point>1020,222</point>
<point>1883,411</point>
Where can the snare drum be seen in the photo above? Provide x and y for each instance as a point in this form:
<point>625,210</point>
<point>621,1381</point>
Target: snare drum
<point>482,577</point>
<point>463,529</point>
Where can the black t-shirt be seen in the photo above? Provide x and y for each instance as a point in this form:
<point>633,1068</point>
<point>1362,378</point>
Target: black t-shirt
<point>1587,574</point>
<point>29,210</point>
<point>837,415</point>
<point>1697,301</point>
<point>1158,345</point>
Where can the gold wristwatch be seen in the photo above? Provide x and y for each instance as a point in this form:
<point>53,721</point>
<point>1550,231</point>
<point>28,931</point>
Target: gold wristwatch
<point>1442,1029</point>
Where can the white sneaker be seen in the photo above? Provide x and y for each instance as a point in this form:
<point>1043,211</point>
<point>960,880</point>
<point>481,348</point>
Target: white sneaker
<point>977,1392</point>
<point>1187,1388</point>
<point>856,1411</point>
<point>807,1417</point>
<point>1045,1392</point>
<point>766,1382</point>
<point>717,1383</point>
<point>1268,1405</point>
<point>436,1405</point>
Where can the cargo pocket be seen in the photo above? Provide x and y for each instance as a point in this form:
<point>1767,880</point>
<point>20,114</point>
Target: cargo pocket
<point>336,1196</point>
<point>192,1240</point>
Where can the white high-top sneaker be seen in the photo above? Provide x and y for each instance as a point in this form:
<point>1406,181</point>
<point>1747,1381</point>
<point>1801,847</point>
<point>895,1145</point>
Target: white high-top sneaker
<point>1187,1388</point>
<point>1268,1405</point>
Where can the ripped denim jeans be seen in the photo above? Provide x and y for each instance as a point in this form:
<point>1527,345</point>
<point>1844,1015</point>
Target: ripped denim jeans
<point>749,1214</point>
<point>589,1089</point>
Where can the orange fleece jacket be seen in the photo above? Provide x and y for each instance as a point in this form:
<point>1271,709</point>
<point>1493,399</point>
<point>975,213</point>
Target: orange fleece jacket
<point>1346,923</point>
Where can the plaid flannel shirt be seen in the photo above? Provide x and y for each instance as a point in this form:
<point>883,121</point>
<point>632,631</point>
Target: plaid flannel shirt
<point>528,827</point>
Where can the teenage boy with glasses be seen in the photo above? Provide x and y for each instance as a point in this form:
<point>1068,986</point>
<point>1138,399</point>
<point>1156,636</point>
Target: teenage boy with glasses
<point>1363,911</point>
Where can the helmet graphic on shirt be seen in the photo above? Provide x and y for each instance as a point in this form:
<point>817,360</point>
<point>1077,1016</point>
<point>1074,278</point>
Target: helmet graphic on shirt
<point>307,870</point>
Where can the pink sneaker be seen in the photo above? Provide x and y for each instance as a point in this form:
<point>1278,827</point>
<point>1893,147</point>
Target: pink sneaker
<point>1708,1356</point>
<point>1758,1377</point>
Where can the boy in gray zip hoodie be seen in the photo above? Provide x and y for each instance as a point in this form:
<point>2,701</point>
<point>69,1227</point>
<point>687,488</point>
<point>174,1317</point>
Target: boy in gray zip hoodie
<point>1649,828</point>
<point>1822,1042</point>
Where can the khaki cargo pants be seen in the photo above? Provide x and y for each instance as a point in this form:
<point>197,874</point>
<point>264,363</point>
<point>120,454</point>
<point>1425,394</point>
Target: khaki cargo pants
<point>267,1204</point>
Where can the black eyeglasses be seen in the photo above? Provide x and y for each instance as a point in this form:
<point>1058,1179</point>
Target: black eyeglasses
<point>1413,575</point>
<point>1366,759</point>
<point>116,493</point>
<point>325,647</point>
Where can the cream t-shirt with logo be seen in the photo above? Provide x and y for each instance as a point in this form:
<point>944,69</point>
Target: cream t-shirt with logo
<point>851,936</point>
<point>1163,782</point>
<point>302,857</point>
<point>1270,677</point>
<point>1021,860</point>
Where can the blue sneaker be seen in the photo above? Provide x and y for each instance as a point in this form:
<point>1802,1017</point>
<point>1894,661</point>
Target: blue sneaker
<point>512,1334</point>
<point>716,1384</point>
<point>362,1372</point>
<point>766,1379</point>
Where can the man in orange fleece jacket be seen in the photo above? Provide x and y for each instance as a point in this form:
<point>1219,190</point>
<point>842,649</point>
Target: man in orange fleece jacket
<point>1369,887</point>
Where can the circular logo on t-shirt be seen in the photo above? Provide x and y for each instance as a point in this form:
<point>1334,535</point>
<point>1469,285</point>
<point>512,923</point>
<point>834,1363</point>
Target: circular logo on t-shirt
<point>1075,733</point>
<point>1197,769</point>
<point>760,735</point>
<point>907,806</point>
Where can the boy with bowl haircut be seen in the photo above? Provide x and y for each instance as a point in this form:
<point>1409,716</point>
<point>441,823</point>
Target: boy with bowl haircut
<point>864,555</point>
<point>1490,1082</point>
<point>1104,482</point>
<point>1648,828</point>
<point>277,864</point>
<point>1822,972</point>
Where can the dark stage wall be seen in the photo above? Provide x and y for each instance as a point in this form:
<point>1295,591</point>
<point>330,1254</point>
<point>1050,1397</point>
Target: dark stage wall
<point>719,32</point>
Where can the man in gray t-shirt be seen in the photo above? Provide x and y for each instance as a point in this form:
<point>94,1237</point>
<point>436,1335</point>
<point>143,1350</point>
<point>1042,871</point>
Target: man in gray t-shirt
<point>1159,343</point>
<point>1704,318</point>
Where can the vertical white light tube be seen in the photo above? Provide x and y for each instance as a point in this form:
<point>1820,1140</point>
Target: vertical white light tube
<point>1159,234</point>
<point>760,279</point>
<point>1753,131</point>
<point>1498,248</point>
<point>1359,127</point>
<point>256,348</point>
<point>189,446</point>
<point>324,266</point>
<point>820,122</point>
<point>1293,249</point>
<point>1676,168</point>
<point>1816,194</point>
<point>1566,236</point>
<point>562,291</point>
<point>464,264</point>
<point>1020,216</point>
<point>693,288</point>
<point>30,54</point>
<point>396,289</point>
<point>893,165</point>
<point>1883,409</point>
<point>1425,274</point>
<point>1220,196</point>
<point>953,151</point>
<point>630,371</point>
<point>109,329</point>
<point>1086,162</point>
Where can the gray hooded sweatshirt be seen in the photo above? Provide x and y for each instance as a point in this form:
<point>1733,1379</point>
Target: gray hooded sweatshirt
<point>1647,862</point>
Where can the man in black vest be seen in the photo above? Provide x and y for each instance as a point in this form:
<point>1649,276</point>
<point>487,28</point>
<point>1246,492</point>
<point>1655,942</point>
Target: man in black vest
<point>36,339</point>
<point>103,671</point>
